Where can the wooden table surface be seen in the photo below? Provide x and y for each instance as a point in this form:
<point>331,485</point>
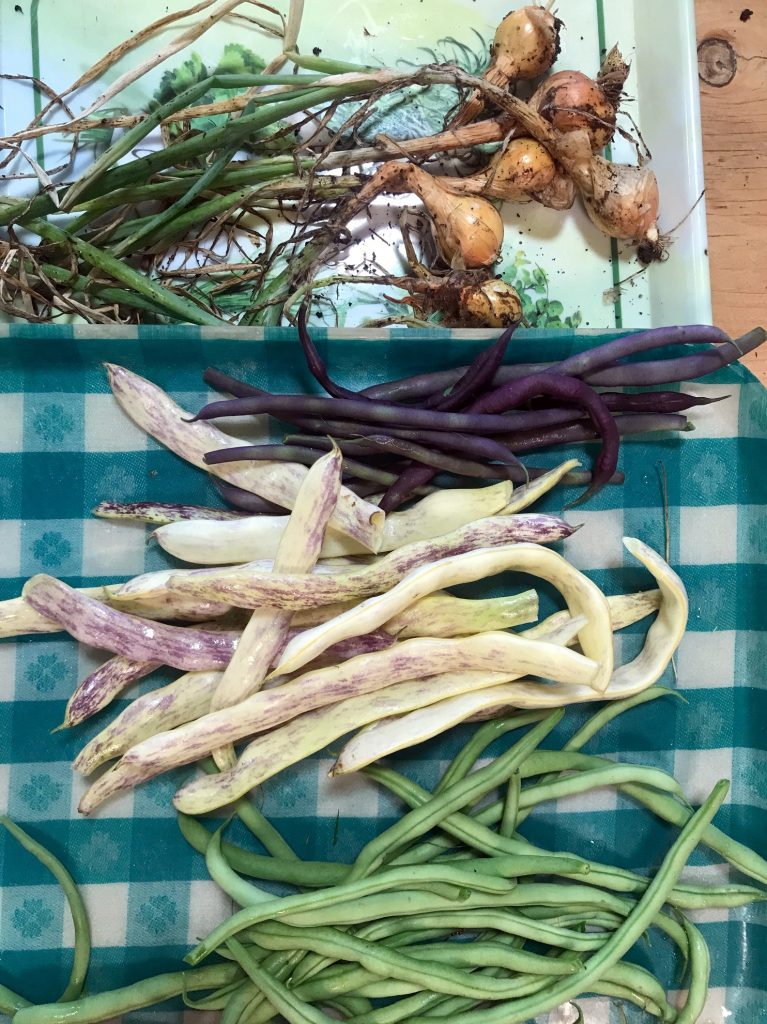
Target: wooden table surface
<point>732,49</point>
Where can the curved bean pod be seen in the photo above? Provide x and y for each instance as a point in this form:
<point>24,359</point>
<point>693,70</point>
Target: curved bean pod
<point>581,595</point>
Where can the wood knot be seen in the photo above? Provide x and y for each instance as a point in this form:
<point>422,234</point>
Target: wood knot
<point>717,62</point>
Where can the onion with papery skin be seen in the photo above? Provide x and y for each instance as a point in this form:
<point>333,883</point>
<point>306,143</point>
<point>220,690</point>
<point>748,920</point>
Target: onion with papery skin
<point>467,228</point>
<point>624,202</point>
<point>525,45</point>
<point>522,167</point>
<point>570,100</point>
<point>492,304</point>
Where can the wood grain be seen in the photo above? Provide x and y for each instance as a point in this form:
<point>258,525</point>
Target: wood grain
<point>735,153</point>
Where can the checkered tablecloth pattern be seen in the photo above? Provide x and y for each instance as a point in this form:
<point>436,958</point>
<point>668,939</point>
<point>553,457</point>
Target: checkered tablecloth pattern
<point>65,445</point>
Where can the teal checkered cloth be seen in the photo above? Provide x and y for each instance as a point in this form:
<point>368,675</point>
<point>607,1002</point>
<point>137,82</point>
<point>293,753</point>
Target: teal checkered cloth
<point>65,446</point>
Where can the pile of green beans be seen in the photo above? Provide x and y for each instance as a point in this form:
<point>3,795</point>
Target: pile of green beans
<point>450,912</point>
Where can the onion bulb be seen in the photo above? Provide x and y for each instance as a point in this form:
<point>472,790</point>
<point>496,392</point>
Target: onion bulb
<point>522,167</point>
<point>525,46</point>
<point>570,100</point>
<point>624,201</point>
<point>491,304</point>
<point>463,298</point>
<point>467,228</point>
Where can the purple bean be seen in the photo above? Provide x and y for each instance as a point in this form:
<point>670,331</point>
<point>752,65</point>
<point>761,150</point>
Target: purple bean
<point>666,371</point>
<point>406,486</point>
<point>566,389</point>
<point>572,433</point>
<point>659,337</point>
<point>247,502</point>
<point>229,385</point>
<point>315,362</point>
<point>479,375</point>
<point>654,401</point>
<point>442,462</point>
<point>297,407</point>
<point>294,453</point>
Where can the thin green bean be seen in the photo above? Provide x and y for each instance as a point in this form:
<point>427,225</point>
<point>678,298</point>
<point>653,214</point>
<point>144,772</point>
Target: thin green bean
<point>467,757</point>
<point>305,874</point>
<point>237,1006</point>
<point>436,975</point>
<point>243,893</point>
<point>217,1000</point>
<point>285,1002</point>
<point>10,1001</point>
<point>622,939</point>
<point>475,832</point>
<point>256,823</point>
<point>700,972</point>
<point>107,1005</point>
<point>395,882</point>
<point>508,825</point>
<point>457,796</point>
<point>82,929</point>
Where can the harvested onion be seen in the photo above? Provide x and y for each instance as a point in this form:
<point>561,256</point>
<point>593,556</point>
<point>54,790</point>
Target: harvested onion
<point>570,100</point>
<point>525,45</point>
<point>624,201</point>
<point>467,228</point>
<point>522,167</point>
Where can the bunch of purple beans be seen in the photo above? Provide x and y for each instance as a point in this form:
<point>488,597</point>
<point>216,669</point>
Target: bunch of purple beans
<point>475,421</point>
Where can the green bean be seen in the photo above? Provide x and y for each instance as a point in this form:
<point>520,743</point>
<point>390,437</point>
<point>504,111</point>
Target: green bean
<point>352,1006</point>
<point>428,1002</point>
<point>106,1005</point>
<point>466,758</point>
<point>612,710</point>
<point>302,907</point>
<point>606,988</point>
<point>621,940</point>
<point>700,972</point>
<point>385,962</point>
<point>285,1002</point>
<point>453,798</point>
<point>475,831</point>
<point>510,922</point>
<point>508,823</point>
<point>306,874</point>
<point>280,966</point>
<point>217,1000</point>
<point>256,822</point>
<point>617,775</point>
<point>82,929</point>
<point>242,892</point>
<point>10,1001</point>
<point>237,1006</point>
<point>739,855</point>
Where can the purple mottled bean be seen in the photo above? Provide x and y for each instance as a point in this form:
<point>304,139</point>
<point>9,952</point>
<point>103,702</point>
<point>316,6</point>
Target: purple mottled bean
<point>101,687</point>
<point>248,586</point>
<point>160,513</point>
<point>140,639</point>
<point>552,385</point>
